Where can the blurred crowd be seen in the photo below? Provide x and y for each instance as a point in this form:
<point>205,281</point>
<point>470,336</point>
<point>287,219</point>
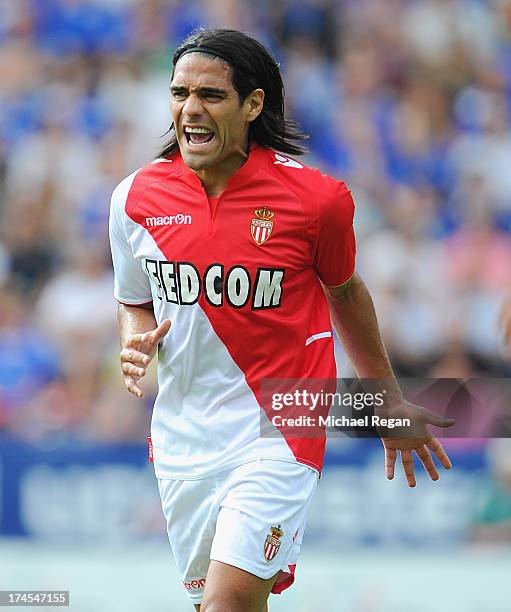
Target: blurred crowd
<point>408,101</point>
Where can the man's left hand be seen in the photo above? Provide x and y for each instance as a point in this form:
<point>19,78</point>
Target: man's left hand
<point>418,440</point>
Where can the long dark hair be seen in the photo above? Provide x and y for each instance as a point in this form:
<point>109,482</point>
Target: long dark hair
<point>252,67</point>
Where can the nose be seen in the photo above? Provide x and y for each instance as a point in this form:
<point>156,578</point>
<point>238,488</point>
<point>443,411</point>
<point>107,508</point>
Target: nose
<point>192,105</point>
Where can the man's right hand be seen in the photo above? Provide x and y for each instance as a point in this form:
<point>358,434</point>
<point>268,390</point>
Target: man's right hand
<point>138,353</point>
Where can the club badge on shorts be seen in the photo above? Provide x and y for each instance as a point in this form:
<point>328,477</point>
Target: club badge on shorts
<point>261,227</point>
<point>272,542</point>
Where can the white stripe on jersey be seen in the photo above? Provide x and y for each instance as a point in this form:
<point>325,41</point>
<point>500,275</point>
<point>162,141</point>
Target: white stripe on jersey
<point>314,337</point>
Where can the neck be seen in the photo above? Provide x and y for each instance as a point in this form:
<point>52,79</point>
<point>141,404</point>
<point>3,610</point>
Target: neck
<point>214,180</point>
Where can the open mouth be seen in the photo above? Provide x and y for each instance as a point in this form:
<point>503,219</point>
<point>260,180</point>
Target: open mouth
<point>198,137</point>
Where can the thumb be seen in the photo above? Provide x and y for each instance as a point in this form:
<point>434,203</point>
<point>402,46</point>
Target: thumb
<point>436,419</point>
<point>161,331</point>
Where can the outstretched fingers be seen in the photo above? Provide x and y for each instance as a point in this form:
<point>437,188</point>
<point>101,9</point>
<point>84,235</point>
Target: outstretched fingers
<point>134,341</point>
<point>132,370</point>
<point>131,355</point>
<point>390,462</point>
<point>407,461</point>
<point>159,333</point>
<point>131,385</point>
<point>151,338</point>
<point>434,445</point>
<point>427,462</point>
<point>138,353</point>
<point>436,419</point>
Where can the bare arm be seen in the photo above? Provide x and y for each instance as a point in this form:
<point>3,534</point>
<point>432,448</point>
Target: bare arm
<point>139,337</point>
<point>353,316</point>
<point>354,319</point>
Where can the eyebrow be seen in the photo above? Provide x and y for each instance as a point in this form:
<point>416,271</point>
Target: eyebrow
<point>201,90</point>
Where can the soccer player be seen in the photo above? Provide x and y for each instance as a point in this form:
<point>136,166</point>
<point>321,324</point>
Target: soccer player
<point>231,260</point>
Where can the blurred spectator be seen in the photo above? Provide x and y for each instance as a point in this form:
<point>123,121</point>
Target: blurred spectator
<point>313,20</point>
<point>76,306</point>
<point>30,254</point>
<point>28,358</point>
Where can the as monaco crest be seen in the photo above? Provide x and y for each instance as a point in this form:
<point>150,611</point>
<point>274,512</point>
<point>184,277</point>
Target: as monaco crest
<point>262,226</point>
<point>272,543</point>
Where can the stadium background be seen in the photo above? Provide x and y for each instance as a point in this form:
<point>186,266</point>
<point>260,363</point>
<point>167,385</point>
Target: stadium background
<point>406,100</point>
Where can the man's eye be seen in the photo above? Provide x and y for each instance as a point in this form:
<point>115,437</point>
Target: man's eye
<point>179,95</point>
<point>212,96</point>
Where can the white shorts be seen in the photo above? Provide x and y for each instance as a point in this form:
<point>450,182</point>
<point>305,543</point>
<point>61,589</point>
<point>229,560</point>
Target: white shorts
<point>252,517</point>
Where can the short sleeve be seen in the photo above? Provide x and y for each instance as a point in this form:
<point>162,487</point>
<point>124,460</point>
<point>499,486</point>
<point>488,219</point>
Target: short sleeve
<point>334,256</point>
<point>131,284</point>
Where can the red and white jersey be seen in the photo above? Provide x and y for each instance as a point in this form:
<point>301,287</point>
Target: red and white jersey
<point>239,277</point>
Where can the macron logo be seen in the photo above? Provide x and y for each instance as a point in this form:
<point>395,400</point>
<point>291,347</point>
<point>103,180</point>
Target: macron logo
<point>179,219</point>
<point>285,161</point>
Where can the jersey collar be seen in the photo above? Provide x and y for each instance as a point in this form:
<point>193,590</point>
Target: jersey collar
<point>247,171</point>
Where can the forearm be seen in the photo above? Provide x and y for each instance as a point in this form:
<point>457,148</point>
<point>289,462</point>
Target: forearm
<point>134,320</point>
<point>354,319</point>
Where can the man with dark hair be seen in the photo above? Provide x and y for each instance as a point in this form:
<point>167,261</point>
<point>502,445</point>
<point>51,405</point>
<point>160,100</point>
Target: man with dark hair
<point>232,259</point>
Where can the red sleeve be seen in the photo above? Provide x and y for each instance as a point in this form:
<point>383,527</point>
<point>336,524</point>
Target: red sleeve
<point>334,254</point>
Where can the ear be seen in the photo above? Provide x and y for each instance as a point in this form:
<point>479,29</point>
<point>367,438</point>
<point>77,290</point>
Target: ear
<point>254,102</point>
